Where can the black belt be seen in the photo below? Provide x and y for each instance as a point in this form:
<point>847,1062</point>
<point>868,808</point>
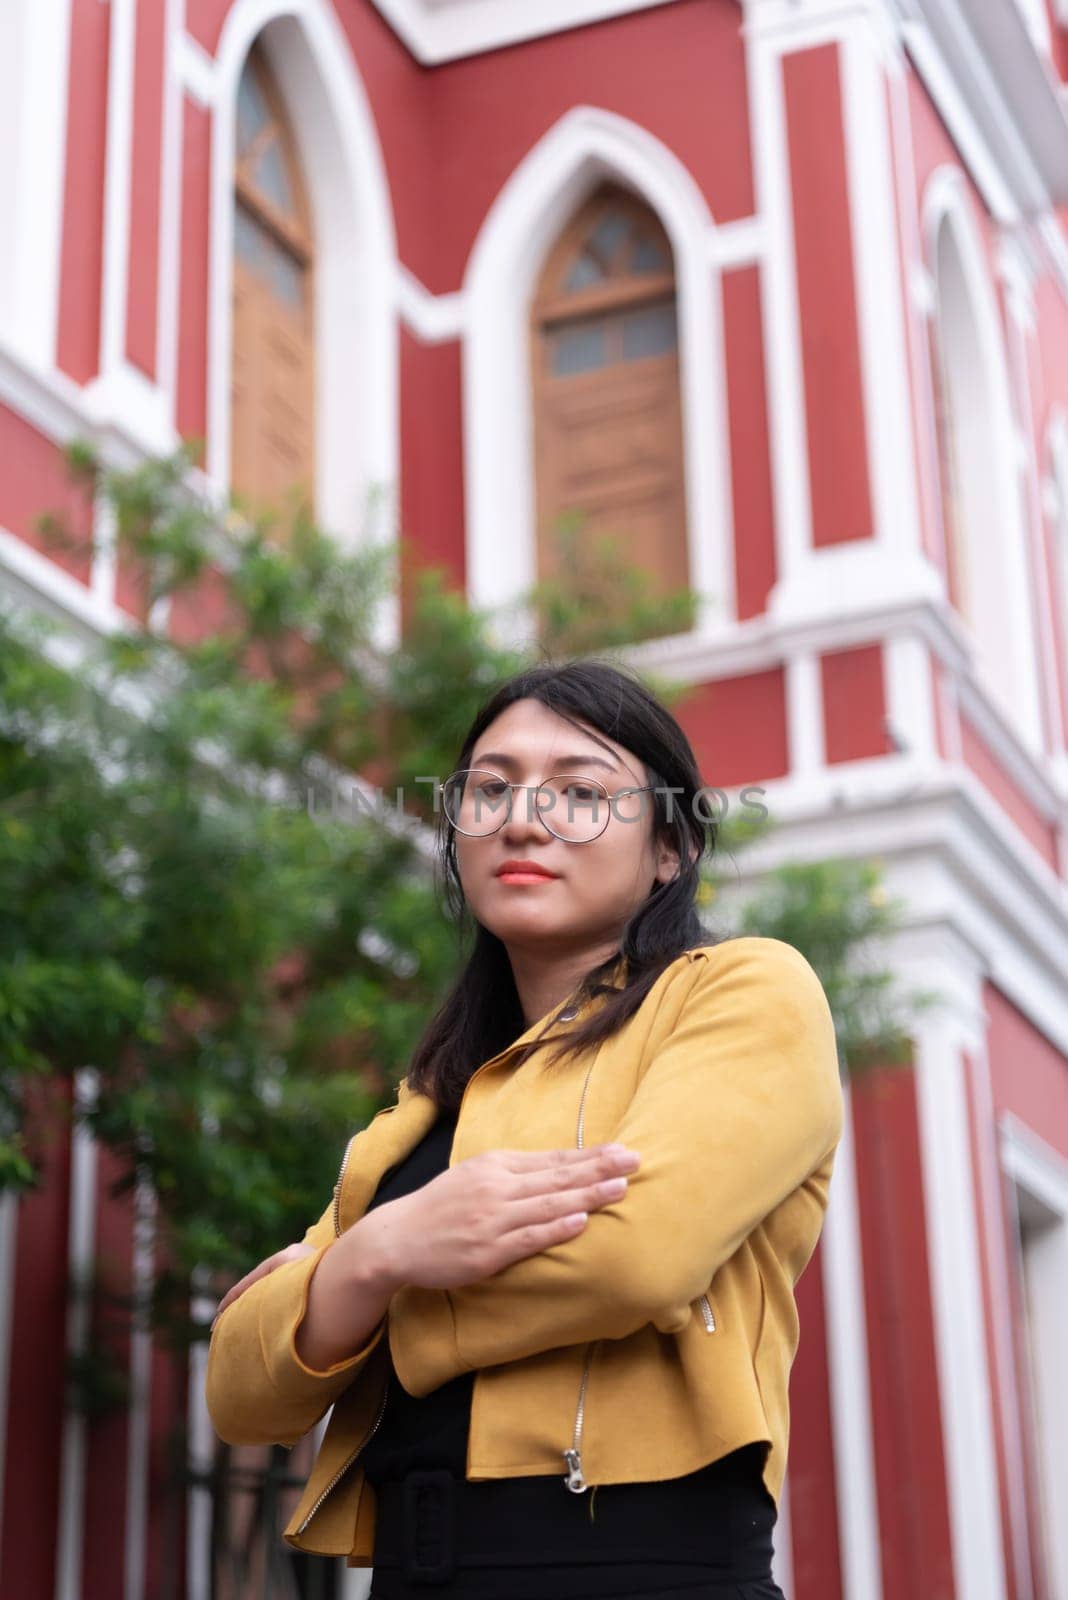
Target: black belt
<point>430,1522</point>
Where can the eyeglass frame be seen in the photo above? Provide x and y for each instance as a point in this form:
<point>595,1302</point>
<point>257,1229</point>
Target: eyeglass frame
<point>636,789</point>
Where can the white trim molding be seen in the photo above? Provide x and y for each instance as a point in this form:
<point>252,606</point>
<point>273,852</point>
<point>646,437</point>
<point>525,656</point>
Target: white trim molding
<point>965,1380</point>
<point>34,65</point>
<point>445,30</point>
<point>998,96</point>
<point>356,311</point>
<point>433,319</point>
<point>992,1220</point>
<point>196,70</point>
<point>585,147</point>
<point>867,66</point>
<point>969,328</point>
<point>122,396</point>
<point>1040,1176</point>
<point>849,1370</point>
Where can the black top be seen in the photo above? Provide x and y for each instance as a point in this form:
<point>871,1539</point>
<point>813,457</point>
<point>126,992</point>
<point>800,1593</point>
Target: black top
<point>686,1526</point>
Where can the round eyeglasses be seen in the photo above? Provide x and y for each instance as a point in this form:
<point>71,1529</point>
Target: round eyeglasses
<point>571,807</point>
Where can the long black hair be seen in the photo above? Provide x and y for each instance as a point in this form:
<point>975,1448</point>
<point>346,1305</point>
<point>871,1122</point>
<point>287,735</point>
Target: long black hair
<point>482,1014</point>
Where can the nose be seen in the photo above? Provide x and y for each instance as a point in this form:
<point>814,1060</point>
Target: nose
<point>524,822</point>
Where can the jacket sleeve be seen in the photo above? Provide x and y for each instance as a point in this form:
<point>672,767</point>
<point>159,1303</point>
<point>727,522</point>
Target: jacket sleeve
<point>739,1106</point>
<point>258,1390</point>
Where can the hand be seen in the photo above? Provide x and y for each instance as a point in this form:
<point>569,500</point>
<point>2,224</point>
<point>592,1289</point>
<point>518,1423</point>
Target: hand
<point>487,1212</point>
<point>291,1252</point>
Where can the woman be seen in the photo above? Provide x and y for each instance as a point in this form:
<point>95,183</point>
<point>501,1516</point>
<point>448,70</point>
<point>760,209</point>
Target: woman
<point>565,1259</point>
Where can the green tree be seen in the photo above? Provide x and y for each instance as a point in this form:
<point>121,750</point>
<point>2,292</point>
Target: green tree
<point>205,908</point>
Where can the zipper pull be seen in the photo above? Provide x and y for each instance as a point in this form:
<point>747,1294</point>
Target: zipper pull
<point>574,1480</point>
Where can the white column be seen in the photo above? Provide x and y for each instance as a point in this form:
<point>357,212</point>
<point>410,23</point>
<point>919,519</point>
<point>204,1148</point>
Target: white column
<point>965,1381</point>
<point>139,1418</point>
<point>848,1365</point>
<point>869,57</point>
<point>766,33</point>
<point>34,60</point>
<point>122,396</point>
<point>356,1583</point>
<point>1040,1175</point>
<point>1002,1355</point>
<point>82,1240</point>
<point>201,1453</point>
<point>910,692</point>
<point>804,714</point>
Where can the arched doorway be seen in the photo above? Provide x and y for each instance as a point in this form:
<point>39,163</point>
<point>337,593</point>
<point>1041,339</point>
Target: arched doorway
<point>607,405</point>
<point>273,450</point>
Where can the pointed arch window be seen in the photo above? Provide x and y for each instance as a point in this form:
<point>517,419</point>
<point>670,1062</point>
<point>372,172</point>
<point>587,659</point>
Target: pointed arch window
<point>273,380</point>
<point>988,578</point>
<point>607,403</point>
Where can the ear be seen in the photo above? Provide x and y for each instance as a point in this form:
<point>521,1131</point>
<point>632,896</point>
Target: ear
<point>667,861</point>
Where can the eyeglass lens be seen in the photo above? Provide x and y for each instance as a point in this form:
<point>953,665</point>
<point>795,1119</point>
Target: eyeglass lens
<point>572,807</point>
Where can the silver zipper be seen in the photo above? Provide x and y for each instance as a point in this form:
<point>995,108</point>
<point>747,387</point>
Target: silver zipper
<point>347,1463</point>
<point>706,1312</point>
<point>344,1163</point>
<point>582,1109</point>
<point>337,1189</point>
<point>574,1480</point>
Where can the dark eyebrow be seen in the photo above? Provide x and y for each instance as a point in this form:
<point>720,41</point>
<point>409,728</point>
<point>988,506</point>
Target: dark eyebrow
<point>573,763</point>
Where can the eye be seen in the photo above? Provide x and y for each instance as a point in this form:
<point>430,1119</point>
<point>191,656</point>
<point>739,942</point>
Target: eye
<point>493,788</point>
<point>581,791</point>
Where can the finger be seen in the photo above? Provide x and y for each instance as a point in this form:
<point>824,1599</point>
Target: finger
<point>291,1252</point>
<point>550,1206</point>
<point>615,1157</point>
<point>239,1288</point>
<point>533,1237</point>
<point>597,1165</point>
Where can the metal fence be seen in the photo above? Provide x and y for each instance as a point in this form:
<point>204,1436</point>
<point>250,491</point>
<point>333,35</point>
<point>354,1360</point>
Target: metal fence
<point>253,1492</point>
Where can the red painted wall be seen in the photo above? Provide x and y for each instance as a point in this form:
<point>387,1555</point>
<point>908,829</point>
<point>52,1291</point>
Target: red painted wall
<point>78,349</point>
<point>1028,1074</point>
<point>737,727</point>
<point>444,173</point>
<point>695,101</point>
<point>142,298</point>
<point>193,270</point>
<point>1035,828</point>
<point>910,1465</point>
<point>854,703</point>
<point>754,512</point>
<point>37,1372</point>
<point>813,1496</point>
<point>834,399</point>
<point>432,490</point>
<point>35,482</point>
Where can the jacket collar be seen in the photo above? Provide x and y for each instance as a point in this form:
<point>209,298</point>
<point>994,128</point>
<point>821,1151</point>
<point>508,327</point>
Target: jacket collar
<point>566,1011</point>
<point>392,1138</point>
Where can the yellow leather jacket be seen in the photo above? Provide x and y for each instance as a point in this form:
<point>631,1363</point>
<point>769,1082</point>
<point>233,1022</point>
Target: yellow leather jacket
<point>655,1341</point>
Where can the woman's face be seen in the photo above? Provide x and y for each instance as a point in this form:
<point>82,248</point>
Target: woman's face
<point>594,887</point>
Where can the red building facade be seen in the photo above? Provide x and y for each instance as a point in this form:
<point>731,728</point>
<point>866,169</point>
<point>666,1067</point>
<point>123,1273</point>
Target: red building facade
<point>839,328</point>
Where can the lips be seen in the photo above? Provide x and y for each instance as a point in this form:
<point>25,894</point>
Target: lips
<point>526,870</point>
